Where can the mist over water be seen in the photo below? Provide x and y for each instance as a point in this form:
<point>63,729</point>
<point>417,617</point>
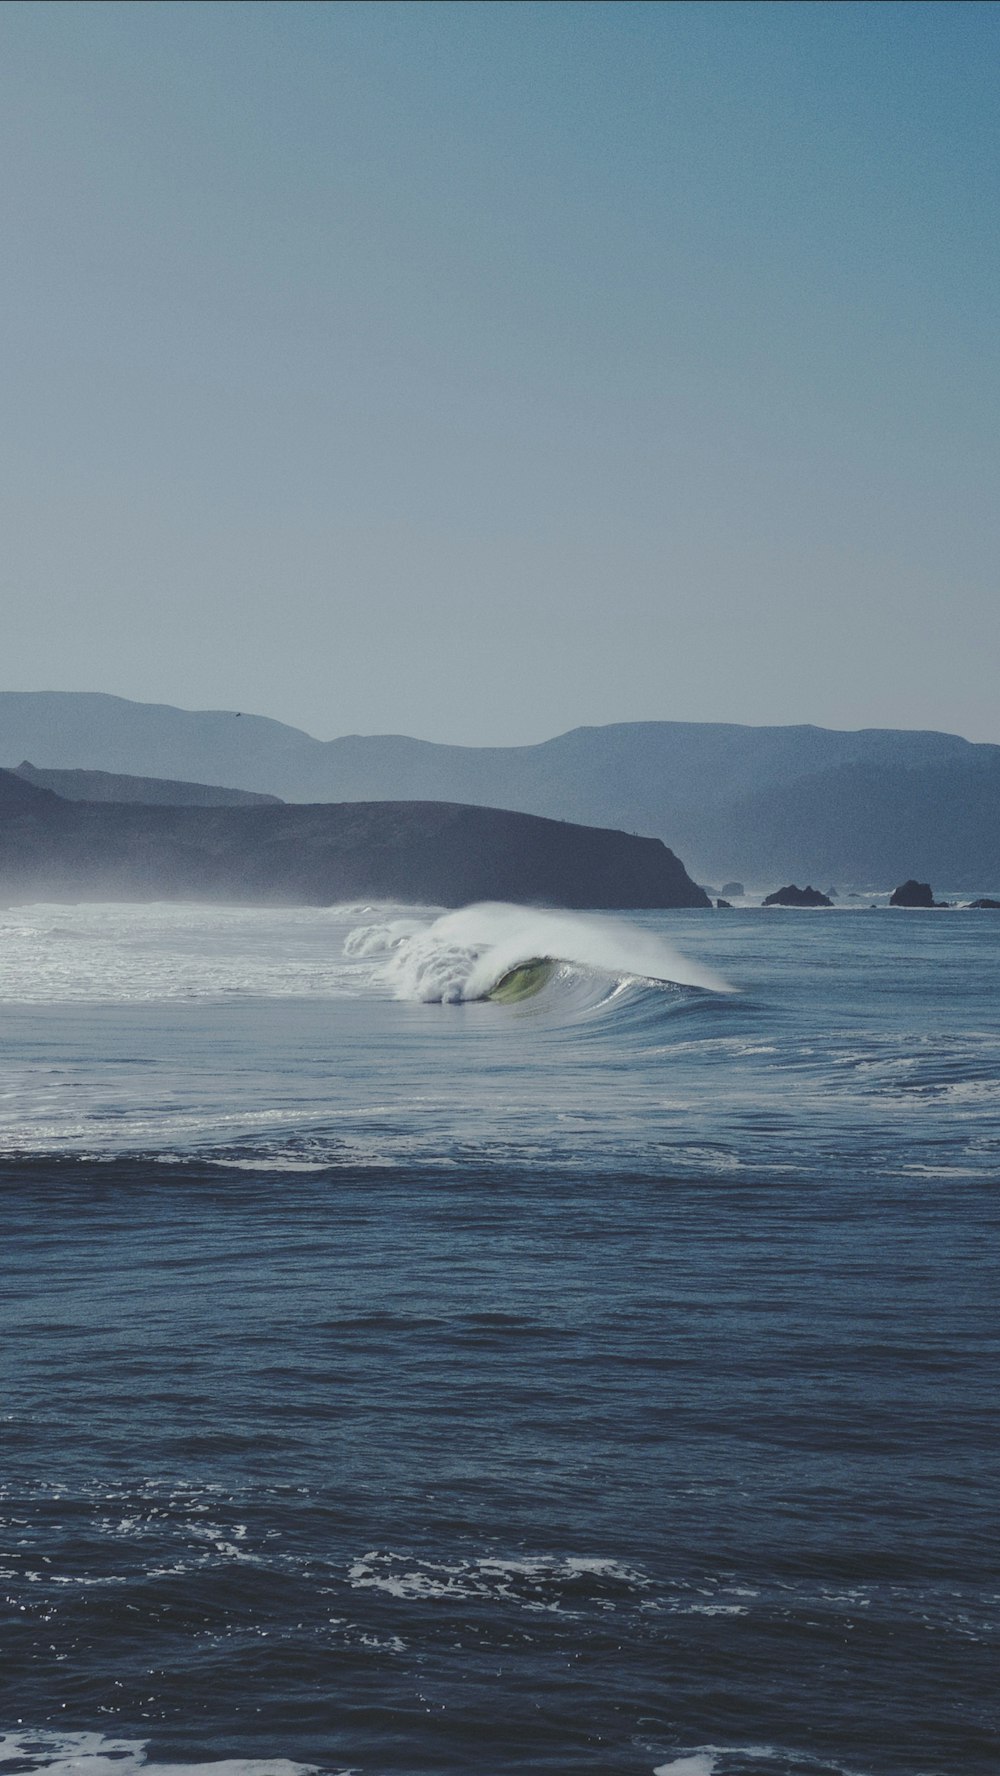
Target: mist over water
<point>400,1381</point>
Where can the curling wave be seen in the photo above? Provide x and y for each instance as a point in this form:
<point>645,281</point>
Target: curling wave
<point>493,950</point>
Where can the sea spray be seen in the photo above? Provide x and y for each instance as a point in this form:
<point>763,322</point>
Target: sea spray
<point>463,954</point>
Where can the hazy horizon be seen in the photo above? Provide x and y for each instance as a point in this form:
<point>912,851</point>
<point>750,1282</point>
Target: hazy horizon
<point>478,371</point>
<point>393,733</point>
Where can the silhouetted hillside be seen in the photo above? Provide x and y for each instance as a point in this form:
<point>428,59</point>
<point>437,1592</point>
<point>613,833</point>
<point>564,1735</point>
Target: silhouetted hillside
<point>438,853</point>
<point>111,786</point>
<point>763,803</point>
<point>16,794</point>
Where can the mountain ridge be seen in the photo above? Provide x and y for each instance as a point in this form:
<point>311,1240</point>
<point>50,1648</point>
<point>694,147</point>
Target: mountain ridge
<point>872,804</point>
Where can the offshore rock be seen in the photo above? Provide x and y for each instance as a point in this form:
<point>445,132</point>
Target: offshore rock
<point>912,894</point>
<point>797,897</point>
<point>437,853</point>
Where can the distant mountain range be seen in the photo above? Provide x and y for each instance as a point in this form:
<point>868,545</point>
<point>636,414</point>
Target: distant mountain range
<point>761,804</point>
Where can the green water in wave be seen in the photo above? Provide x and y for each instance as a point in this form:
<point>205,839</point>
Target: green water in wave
<point>523,981</point>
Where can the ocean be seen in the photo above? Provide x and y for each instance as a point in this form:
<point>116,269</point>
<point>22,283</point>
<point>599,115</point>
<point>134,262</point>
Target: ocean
<point>601,1377</point>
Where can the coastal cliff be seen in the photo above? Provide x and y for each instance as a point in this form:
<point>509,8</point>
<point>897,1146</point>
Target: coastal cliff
<point>439,853</point>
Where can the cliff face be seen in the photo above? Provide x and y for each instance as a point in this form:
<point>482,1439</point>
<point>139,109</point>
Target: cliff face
<point>440,853</point>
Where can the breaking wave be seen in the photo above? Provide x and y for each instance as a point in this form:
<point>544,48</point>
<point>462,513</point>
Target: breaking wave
<point>472,953</point>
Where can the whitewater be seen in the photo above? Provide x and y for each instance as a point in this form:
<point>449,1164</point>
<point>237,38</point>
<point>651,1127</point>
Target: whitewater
<point>498,1341</point>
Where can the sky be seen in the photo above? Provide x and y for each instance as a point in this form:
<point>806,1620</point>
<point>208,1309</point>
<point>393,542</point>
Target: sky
<point>478,371</point>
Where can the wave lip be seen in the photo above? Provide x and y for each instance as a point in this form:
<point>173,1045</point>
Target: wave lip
<point>498,951</point>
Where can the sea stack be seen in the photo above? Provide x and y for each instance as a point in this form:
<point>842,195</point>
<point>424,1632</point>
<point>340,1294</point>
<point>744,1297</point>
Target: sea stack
<point>797,897</point>
<point>912,894</point>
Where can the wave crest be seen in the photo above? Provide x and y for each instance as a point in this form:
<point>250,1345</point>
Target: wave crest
<point>464,955</point>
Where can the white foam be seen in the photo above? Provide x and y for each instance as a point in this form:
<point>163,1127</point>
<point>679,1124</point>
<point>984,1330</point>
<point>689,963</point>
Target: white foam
<point>91,1754</point>
<point>462,954</point>
<point>700,1763</point>
<point>533,1581</point>
<point>703,1760</point>
<point>747,1759</point>
<point>380,939</point>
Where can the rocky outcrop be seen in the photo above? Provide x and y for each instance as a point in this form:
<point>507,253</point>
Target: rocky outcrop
<point>438,853</point>
<point>912,894</point>
<point>797,897</point>
<point>993,905</point>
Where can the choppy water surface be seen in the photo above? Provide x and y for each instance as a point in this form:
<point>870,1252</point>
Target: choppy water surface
<point>398,1381</point>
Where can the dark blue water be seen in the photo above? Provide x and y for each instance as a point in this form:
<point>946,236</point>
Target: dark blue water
<point>641,1413</point>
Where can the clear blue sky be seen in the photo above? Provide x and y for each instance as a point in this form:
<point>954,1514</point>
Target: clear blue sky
<point>479,370</point>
